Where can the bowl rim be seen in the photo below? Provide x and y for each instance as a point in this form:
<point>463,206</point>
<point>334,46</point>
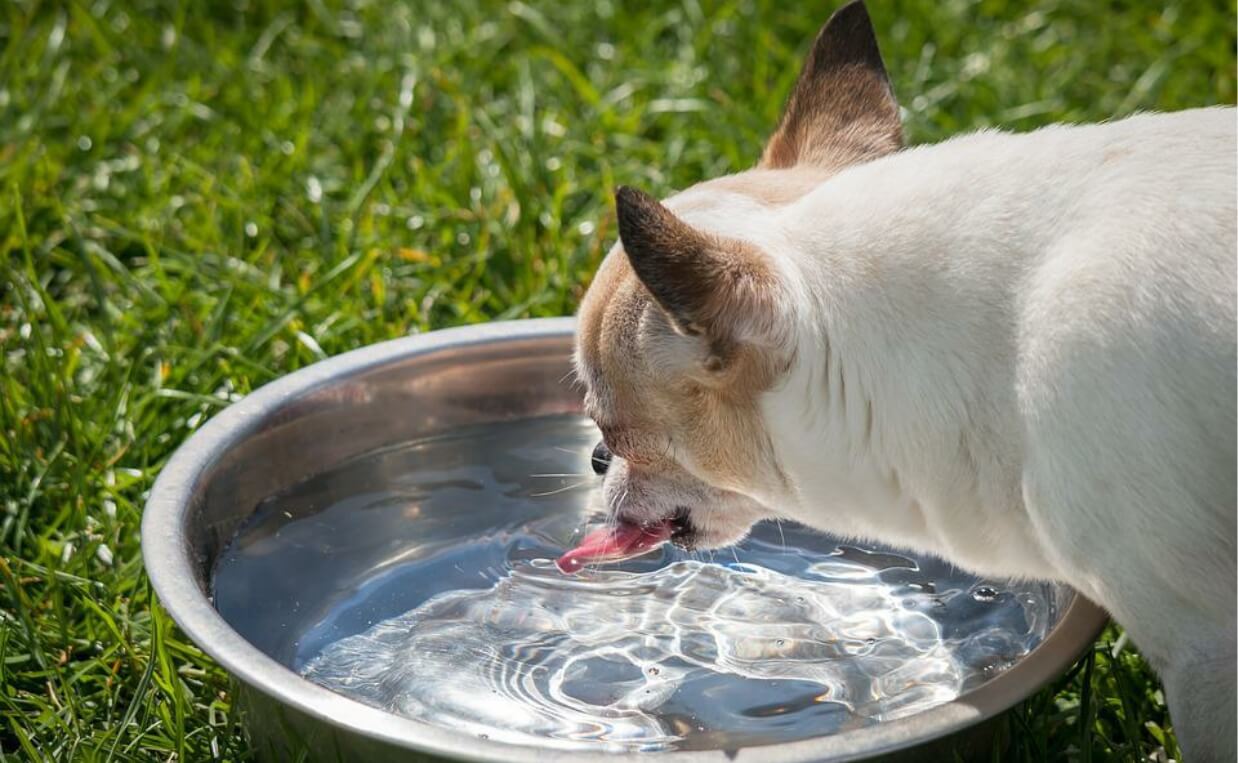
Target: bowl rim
<point>170,565</point>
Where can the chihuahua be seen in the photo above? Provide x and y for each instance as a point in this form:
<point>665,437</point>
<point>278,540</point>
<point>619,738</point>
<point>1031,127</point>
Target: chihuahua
<point>1013,351</point>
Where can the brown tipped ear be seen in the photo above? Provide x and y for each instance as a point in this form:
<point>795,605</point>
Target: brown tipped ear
<point>707,285</point>
<point>842,109</point>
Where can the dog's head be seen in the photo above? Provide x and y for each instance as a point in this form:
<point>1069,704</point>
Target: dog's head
<point>690,318</point>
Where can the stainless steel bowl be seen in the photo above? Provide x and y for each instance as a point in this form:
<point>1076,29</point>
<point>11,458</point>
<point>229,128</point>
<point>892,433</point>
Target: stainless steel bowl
<point>394,392</point>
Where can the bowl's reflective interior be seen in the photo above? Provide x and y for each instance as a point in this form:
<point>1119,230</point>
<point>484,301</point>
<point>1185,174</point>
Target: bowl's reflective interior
<point>417,578</point>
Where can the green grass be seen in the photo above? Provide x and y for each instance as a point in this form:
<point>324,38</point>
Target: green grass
<point>197,198</point>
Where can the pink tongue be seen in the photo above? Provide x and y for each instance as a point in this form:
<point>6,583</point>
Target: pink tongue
<point>613,544</point>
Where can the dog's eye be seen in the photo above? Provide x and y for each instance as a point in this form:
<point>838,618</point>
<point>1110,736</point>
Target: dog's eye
<point>601,458</point>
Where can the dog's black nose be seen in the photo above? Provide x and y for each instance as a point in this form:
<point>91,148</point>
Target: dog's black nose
<point>601,458</point>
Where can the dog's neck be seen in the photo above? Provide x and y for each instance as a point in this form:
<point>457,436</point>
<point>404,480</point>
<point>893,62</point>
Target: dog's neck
<point>899,421</point>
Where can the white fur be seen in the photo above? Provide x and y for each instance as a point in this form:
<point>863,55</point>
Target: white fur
<point>1018,352</point>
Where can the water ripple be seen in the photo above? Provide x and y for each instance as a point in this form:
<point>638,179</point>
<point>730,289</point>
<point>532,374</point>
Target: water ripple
<point>622,660</point>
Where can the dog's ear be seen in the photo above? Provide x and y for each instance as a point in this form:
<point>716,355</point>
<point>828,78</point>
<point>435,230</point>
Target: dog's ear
<point>842,109</point>
<point>721,289</point>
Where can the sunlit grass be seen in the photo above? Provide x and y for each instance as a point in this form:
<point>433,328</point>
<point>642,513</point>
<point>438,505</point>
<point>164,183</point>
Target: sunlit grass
<point>196,198</point>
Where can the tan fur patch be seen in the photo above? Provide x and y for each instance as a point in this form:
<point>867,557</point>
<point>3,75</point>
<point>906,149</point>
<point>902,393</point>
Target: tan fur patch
<point>773,187</point>
<point>654,415</point>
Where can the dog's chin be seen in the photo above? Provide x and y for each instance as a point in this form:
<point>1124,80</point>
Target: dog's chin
<point>690,535</point>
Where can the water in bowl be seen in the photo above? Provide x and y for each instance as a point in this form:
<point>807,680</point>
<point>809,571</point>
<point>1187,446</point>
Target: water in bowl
<point>420,579</point>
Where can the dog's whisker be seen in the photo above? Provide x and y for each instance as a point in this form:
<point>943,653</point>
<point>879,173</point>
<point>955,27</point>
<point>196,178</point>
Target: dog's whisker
<point>614,508</point>
<point>556,491</point>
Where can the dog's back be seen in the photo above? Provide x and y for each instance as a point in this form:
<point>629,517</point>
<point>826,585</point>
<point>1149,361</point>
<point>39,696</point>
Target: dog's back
<point>1126,370</point>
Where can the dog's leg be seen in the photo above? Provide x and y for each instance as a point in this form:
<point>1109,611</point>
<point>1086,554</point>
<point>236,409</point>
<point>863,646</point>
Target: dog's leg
<point>1199,687</point>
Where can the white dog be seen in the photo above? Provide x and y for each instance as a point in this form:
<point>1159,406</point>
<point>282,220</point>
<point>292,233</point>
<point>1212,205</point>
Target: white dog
<point>1014,351</point>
